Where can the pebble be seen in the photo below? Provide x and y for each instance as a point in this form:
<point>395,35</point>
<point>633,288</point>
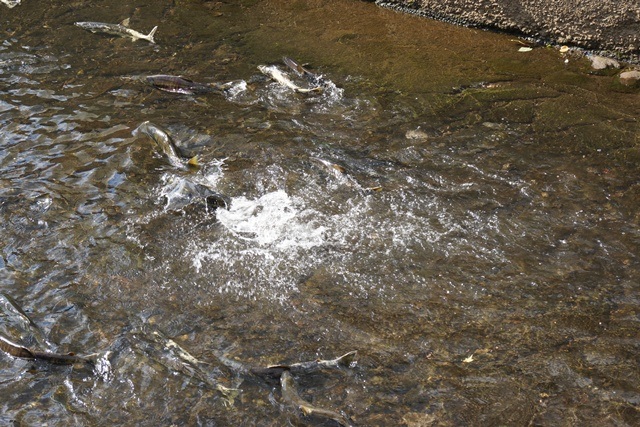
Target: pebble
<point>630,78</point>
<point>416,134</point>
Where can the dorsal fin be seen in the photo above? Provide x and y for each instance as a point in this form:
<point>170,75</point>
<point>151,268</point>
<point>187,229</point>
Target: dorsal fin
<point>125,22</point>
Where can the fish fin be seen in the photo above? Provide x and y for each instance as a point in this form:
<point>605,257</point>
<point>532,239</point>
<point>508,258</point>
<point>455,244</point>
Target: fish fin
<point>306,410</point>
<point>194,161</point>
<point>151,33</point>
<point>348,358</point>
<point>293,65</point>
<point>125,22</point>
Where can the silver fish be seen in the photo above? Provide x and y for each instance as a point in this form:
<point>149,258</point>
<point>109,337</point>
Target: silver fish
<point>291,396</point>
<point>121,30</point>
<point>165,143</point>
<point>315,365</point>
<point>280,77</point>
<point>10,3</point>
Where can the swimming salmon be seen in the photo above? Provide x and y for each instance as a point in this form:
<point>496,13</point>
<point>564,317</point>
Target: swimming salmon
<point>121,30</point>
<point>315,365</point>
<point>17,350</point>
<point>165,143</point>
<point>179,84</point>
<point>278,76</point>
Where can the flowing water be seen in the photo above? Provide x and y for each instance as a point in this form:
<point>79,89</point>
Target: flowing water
<point>462,214</point>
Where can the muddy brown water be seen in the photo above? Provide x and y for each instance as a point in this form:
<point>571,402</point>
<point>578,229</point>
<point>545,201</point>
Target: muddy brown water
<point>491,279</point>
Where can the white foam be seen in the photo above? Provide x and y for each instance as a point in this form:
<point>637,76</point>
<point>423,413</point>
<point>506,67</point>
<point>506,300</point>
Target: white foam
<point>272,220</point>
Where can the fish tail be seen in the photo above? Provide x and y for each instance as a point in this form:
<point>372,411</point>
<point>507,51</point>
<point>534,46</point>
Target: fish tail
<point>150,35</point>
<point>194,162</point>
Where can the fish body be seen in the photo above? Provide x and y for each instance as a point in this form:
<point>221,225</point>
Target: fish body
<point>291,396</point>
<point>337,170</point>
<point>178,84</point>
<point>274,73</point>
<point>17,350</point>
<point>10,3</point>
<point>164,141</point>
<point>315,365</point>
<point>121,30</point>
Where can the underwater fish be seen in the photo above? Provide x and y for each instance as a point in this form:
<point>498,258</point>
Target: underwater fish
<point>337,170</point>
<point>291,396</point>
<point>165,143</point>
<point>280,77</point>
<point>315,365</point>
<point>274,372</point>
<point>179,84</point>
<point>122,30</point>
<point>10,3</point>
<point>17,350</point>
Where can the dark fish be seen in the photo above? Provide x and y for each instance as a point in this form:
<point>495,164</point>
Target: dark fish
<point>313,78</point>
<point>291,396</point>
<point>166,144</point>
<point>298,69</point>
<point>274,372</point>
<point>178,84</point>
<point>17,350</point>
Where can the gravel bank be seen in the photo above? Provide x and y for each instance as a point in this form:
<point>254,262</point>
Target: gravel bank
<point>610,27</point>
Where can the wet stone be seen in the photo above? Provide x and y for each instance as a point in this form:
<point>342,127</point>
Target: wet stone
<point>602,63</point>
<point>630,78</point>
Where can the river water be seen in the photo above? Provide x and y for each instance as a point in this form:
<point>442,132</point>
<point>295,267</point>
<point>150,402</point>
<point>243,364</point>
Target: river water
<point>462,214</point>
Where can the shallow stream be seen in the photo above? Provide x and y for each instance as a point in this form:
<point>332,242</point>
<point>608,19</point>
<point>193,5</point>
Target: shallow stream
<point>464,215</point>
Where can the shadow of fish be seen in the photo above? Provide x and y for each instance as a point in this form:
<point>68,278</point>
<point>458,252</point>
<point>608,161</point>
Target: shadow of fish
<point>122,30</point>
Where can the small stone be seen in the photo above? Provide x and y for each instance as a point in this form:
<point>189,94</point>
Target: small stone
<point>601,62</point>
<point>630,78</point>
<point>416,134</point>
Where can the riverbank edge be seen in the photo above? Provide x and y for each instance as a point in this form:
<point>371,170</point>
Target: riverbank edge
<point>604,28</point>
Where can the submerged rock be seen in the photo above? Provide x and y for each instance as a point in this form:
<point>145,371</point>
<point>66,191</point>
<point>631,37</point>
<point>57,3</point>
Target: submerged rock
<point>602,63</point>
<point>630,78</point>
